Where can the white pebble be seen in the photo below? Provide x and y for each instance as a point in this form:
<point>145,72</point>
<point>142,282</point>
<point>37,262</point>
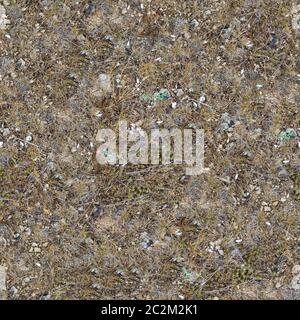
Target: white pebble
<point>174,105</point>
<point>195,105</point>
<point>6,132</point>
<point>180,92</point>
<point>296,269</point>
<point>195,23</point>
<point>178,233</point>
<point>249,44</point>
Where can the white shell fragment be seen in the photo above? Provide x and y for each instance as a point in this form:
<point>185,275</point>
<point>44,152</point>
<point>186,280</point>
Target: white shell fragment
<point>202,99</point>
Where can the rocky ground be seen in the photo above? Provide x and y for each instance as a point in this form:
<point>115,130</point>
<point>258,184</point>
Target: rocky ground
<point>71,229</point>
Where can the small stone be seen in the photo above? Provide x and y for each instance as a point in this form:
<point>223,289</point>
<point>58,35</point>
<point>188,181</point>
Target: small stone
<point>161,95</point>
<point>13,291</point>
<point>296,282</point>
<point>97,212</point>
<point>267,209</point>
<point>180,92</point>
<point>89,241</point>
<point>257,133</point>
<point>128,45</point>
<point>174,105</point>
<point>226,33</point>
<point>278,285</point>
<point>1,144</point>
<point>96,286</point>
<point>46,296</point>
<point>178,233</point>
<point>187,35</point>
<point>194,24</point>
<point>120,272</point>
<point>89,9</point>
<point>189,276</point>
<point>27,280</point>
<point>20,64</point>
<point>249,44</point>
<point>135,271</point>
<point>247,154</point>
<point>6,132</point>
<point>296,269</point>
<point>287,134</point>
<point>99,114</point>
<point>227,122</point>
<point>258,190</point>
<point>273,41</point>
<point>146,241</point>
<point>275,203</point>
<point>16,236</point>
<point>94,270</point>
<point>246,195</point>
<point>27,231</point>
<point>109,38</point>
